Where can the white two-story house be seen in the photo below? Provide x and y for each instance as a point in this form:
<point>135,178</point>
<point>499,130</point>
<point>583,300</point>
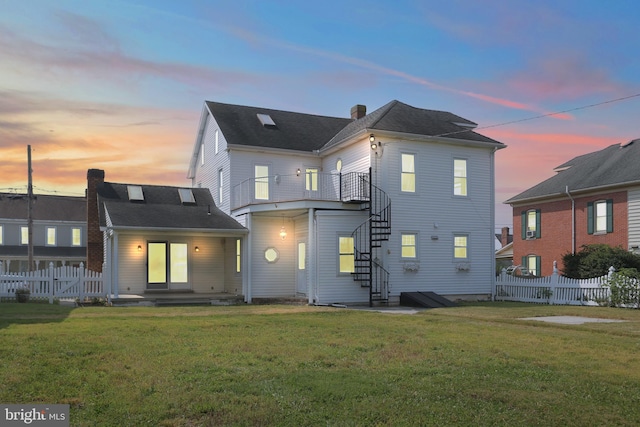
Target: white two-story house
<point>353,210</point>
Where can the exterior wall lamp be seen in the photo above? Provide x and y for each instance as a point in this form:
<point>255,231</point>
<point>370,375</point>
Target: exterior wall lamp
<point>298,172</point>
<point>197,249</point>
<point>283,232</point>
<point>372,141</point>
<point>139,248</point>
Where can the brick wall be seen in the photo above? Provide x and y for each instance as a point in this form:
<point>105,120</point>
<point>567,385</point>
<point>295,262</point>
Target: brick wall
<point>95,244</point>
<point>555,239</point>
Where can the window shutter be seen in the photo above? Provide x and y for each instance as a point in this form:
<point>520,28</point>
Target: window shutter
<point>538,223</point>
<point>523,216</point>
<point>609,215</point>
<point>538,265</point>
<point>590,219</point>
<point>523,262</point>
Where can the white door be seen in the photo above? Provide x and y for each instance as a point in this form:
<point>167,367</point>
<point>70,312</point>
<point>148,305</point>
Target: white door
<point>301,267</point>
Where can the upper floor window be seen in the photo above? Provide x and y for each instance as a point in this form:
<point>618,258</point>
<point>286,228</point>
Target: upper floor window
<point>1,234</point>
<point>460,177</point>
<point>220,184</point>
<point>408,173</point>
<point>600,217</point>
<point>460,246</point>
<point>311,179</point>
<point>202,154</point>
<point>531,221</point>
<point>339,165</point>
<point>346,252</point>
<point>51,236</point>
<point>408,245</point>
<point>24,235</point>
<point>216,141</point>
<point>76,236</point>
<point>261,182</point>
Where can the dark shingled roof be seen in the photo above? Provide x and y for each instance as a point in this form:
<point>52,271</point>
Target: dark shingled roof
<point>399,117</point>
<point>295,131</point>
<point>306,132</point>
<point>162,208</point>
<point>45,207</point>
<point>612,166</point>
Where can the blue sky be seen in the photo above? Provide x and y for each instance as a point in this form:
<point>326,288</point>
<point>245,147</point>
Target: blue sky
<point>119,85</point>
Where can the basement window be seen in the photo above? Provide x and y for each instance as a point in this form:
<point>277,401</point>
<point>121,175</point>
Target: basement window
<point>135,193</point>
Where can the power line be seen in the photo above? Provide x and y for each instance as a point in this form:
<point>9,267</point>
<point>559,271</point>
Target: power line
<point>583,107</point>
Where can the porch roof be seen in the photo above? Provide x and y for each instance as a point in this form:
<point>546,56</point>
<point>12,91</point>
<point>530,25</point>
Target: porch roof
<point>161,208</point>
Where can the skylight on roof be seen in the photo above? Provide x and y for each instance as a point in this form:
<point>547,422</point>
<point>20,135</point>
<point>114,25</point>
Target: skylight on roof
<point>135,192</point>
<point>186,195</point>
<point>266,120</point>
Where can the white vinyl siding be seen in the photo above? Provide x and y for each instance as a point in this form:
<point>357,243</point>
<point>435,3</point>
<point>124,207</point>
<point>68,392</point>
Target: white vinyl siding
<point>440,217</point>
<point>272,279</point>
<point>634,219</point>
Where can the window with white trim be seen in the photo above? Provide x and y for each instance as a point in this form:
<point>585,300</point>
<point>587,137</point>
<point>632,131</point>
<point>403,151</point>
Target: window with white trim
<point>408,245</point>
<point>1,235</point>
<point>24,235</point>
<point>460,246</point>
<point>311,179</point>
<point>408,173</point>
<point>238,256</point>
<point>220,185</point>
<point>51,236</point>
<point>202,153</point>
<point>261,175</point>
<point>346,255</point>
<point>216,142</point>
<point>459,177</point>
<point>76,236</point>
<point>600,217</point>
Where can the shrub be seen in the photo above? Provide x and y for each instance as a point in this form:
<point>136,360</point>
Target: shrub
<point>624,286</point>
<point>595,260</point>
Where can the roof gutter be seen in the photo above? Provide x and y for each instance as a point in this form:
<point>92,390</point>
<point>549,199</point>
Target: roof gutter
<point>573,221</point>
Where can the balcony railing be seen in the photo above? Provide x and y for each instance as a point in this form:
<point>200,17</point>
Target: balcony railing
<point>319,186</point>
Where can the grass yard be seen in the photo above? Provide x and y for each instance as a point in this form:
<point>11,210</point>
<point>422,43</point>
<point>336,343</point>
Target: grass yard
<point>476,365</point>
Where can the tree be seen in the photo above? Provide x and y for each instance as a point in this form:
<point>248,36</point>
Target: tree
<point>595,260</point>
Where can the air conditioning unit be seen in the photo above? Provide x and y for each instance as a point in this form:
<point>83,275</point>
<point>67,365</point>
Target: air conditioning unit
<point>531,234</point>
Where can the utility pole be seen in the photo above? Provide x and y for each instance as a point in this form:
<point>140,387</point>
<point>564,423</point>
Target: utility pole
<point>29,210</point>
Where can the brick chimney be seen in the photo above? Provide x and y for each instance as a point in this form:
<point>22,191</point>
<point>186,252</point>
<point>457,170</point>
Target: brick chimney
<point>358,111</point>
<point>504,237</point>
<point>95,248</point>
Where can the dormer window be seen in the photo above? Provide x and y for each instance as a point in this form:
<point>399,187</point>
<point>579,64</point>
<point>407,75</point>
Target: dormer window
<point>266,120</point>
<point>186,196</point>
<point>135,193</point>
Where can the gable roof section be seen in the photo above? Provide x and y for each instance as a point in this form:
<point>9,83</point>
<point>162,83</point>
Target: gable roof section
<point>616,165</point>
<point>293,131</point>
<point>162,208</point>
<point>402,118</point>
<point>45,207</point>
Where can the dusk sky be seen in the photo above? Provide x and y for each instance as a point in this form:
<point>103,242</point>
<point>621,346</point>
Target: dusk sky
<point>120,85</point>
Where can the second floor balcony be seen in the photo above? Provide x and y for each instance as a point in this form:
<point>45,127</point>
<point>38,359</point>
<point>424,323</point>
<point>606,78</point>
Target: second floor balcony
<point>320,186</point>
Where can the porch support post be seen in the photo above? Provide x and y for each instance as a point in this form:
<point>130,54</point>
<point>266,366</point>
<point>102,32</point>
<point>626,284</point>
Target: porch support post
<point>248,265</point>
<point>112,250</point>
<point>311,256</point>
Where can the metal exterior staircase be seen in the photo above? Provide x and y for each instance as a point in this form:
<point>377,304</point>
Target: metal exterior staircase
<point>367,241</point>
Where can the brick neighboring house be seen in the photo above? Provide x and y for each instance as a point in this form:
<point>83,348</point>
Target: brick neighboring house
<point>592,199</point>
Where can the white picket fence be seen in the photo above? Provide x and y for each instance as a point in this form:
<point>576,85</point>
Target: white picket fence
<point>554,289</point>
<point>55,283</point>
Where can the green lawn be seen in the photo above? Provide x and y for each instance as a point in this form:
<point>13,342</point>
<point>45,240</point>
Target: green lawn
<point>293,365</point>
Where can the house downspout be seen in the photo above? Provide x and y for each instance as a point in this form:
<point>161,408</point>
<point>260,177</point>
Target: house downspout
<point>573,221</point>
